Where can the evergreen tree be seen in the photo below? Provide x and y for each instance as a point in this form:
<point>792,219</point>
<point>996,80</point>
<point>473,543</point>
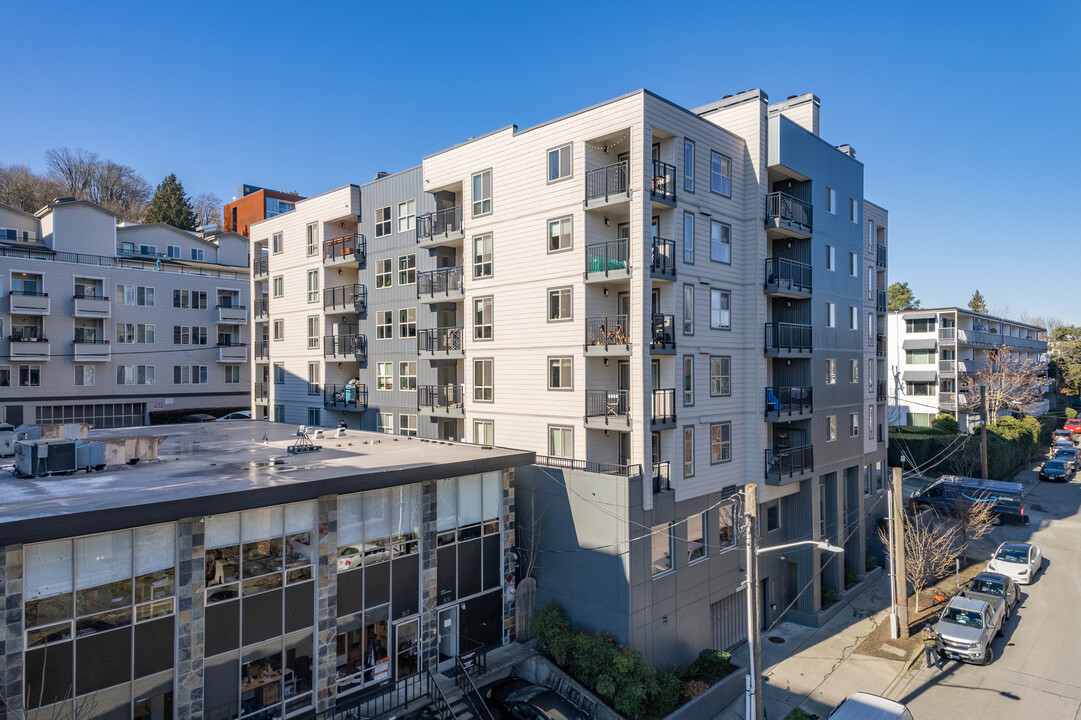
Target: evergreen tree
<point>977,303</point>
<point>171,205</point>
<point>901,297</point>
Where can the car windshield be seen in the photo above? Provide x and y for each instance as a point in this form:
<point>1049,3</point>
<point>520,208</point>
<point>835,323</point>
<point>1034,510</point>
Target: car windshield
<point>1012,554</point>
<point>987,587</point>
<point>968,618</point>
<point>526,694</point>
<point>1066,452</point>
<point>1055,465</point>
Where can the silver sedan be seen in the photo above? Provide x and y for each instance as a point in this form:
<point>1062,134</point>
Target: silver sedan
<point>1019,561</point>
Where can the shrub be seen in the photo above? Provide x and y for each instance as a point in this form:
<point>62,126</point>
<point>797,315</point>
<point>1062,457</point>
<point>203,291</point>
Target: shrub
<point>1070,413</point>
<point>829,596</point>
<point>665,696</point>
<point>852,577</point>
<point>871,563</point>
<point>715,662</point>
<point>946,423</point>
<point>693,689</point>
<point>798,714</point>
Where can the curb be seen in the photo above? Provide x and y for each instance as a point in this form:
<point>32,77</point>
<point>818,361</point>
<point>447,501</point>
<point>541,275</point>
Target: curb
<point>906,665</point>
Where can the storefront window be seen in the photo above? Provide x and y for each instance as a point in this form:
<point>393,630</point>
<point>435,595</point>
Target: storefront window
<point>103,582</point>
<point>48,585</point>
<point>261,677</point>
<point>297,676</point>
<point>222,557</point>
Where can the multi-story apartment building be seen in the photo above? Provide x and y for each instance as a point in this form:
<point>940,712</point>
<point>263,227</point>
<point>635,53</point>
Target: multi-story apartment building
<point>935,352</point>
<point>106,323</point>
<point>664,304</point>
<point>254,204</point>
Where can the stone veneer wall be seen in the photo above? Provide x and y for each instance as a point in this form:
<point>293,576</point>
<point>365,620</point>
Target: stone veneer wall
<point>429,590</point>
<point>190,618</point>
<point>508,557</point>
<point>326,624</point>
<point>11,640</point>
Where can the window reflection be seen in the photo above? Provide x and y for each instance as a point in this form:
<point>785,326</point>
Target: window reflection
<point>261,678</point>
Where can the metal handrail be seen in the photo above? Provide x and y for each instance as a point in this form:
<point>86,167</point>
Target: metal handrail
<point>441,280</point>
<point>446,397</point>
<point>880,346</point>
<point>444,339</point>
<point>663,331</point>
<point>440,222</point>
<point>608,404</point>
<point>880,393</point>
<point>353,298</point>
<point>788,336</point>
<point>349,344</point>
<point>261,266</point>
<point>29,293</point>
<point>262,348</point>
<point>787,273</point>
<point>606,256</point>
<point>442,706</point>
<point>163,265</point>
<point>262,307</point>
<point>84,296</point>
<point>608,330</point>
<point>783,207</point>
<point>663,405</point>
<point>469,690</point>
<point>662,260</point>
<point>880,302</point>
<point>789,400</point>
<point>341,248</point>
<point>880,256</point>
<point>662,476</point>
<point>603,182</point>
<point>355,396</point>
<point>664,181</point>
<point>89,341</point>
<point>789,461</point>
<point>589,466</point>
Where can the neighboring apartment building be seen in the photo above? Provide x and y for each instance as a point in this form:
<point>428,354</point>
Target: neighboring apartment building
<point>276,586</point>
<point>106,323</point>
<point>254,204</point>
<point>934,352</point>
<point>664,304</point>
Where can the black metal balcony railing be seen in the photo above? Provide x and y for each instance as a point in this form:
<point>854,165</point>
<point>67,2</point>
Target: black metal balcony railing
<point>662,476</point>
<point>90,295</point>
<point>88,340</point>
<point>663,406</point>
<point>607,256</point>
<point>345,397</point>
<point>441,397</point>
<point>663,258</point>
<point>880,391</point>
<point>262,308</point>
<point>261,390</point>
<point>880,346</point>
<point>604,182</point>
<point>444,339</point>
<point>789,400</point>
<point>261,266</point>
<point>21,337</point>
<point>607,404</point>
<point>788,336</point>
<point>663,332</point>
<point>439,223</point>
<point>783,208</point>
<point>607,331</point>
<point>262,348</point>
<point>788,274</point>
<point>355,345</point>
<point>880,256</point>
<point>787,462</point>
<point>29,293</point>
<point>589,466</point>
<point>443,281</point>
<point>346,247</point>
<point>664,181</point>
<point>230,343</point>
<point>346,298</point>
<point>880,302</point>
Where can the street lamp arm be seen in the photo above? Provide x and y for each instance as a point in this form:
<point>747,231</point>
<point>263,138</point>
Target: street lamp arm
<point>820,544</point>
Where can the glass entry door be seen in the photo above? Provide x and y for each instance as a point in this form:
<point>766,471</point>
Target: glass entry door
<point>406,648</point>
<point>448,637</point>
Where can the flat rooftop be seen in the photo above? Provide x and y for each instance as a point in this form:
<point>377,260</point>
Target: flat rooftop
<point>218,467</point>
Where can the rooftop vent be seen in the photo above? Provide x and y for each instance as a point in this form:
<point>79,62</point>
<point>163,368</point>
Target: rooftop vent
<point>66,198</point>
<point>793,97</point>
<point>847,150</point>
<point>381,174</point>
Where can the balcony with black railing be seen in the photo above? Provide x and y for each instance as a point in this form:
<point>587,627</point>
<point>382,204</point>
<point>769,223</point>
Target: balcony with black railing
<point>441,285</point>
<point>788,403</point>
<point>788,465</point>
<point>346,299</point>
<point>345,249</point>
<point>662,259</point>
<point>443,341</point>
<point>262,349</point>
<point>440,227</point>
<point>346,347</point>
<point>787,278</point>
<point>91,349</point>
<point>662,476</point>
<point>788,216</point>
<point>92,305</point>
<point>351,397</point>
<point>787,339</point>
<point>262,309</point>
<point>880,301</point>
<point>441,399</point>
<point>663,187</point>
<point>880,256</point>
<point>608,185</point>
<point>662,335</point>
<point>663,409</point>
<point>608,409</point>
<point>607,336</point>
<point>880,346</point>
<point>261,393</point>
<point>260,268</point>
<point>607,261</point>
<point>880,391</point>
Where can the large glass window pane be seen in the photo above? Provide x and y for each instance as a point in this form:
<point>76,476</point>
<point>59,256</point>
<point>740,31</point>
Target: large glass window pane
<point>350,531</point>
<point>297,675</point>
<point>48,582</point>
<point>376,645</point>
<point>155,560</point>
<point>153,697</point>
<point>221,678</point>
<point>406,527</point>
<point>377,522</point>
<point>350,652</point>
<point>222,554</point>
<point>493,496</point>
<point>261,677</point>
<point>299,524</point>
<point>469,500</point>
<point>103,572</point>
<point>261,533</point>
<point>446,504</point>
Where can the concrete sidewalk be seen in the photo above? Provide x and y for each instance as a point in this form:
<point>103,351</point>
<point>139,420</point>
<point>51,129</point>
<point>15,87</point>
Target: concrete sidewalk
<point>815,668</point>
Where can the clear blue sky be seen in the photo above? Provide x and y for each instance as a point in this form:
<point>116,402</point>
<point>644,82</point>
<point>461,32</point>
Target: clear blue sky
<point>965,114</point>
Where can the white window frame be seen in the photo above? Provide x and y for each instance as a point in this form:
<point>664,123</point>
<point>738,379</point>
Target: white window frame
<point>483,250</point>
<point>720,242</point>
<point>384,273</point>
<point>384,375</point>
<point>561,370</point>
<point>854,370</point>
<point>720,176</point>
<point>853,264</point>
<point>384,324</point>
<point>831,428</point>
<point>385,423</point>
<point>81,375</point>
<point>484,432</point>
<point>854,424</point>
<point>484,310</point>
<point>407,375</point>
<point>407,269</point>
<point>313,286</point>
<point>407,424</point>
<point>407,323</point>
<point>277,243</point>
<point>853,317</point>
<point>853,211</point>
<point>482,198</point>
<point>278,286</point>
<point>564,163</point>
<point>278,329</point>
<point>311,232</point>
<point>383,223</point>
<point>407,215</point>
<point>483,379</point>
<point>831,258</point>
<point>722,445</point>
<point>661,536</point>
<point>561,441</point>
<point>831,371</point>
<point>688,451</point>
<point>831,200</point>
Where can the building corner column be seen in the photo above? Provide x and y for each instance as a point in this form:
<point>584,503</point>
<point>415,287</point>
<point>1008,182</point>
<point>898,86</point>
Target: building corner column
<point>190,625</point>
<point>327,605</point>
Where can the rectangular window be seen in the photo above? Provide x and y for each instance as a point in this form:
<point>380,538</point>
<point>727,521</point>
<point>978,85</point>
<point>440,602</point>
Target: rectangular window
<point>384,272</point>
<point>831,258</point>
<point>726,524</point>
<point>720,376</point>
<point>922,389</point>
<point>483,432</point>
<point>688,238</point>
<point>831,371</point>
<point>853,370</point>
<point>560,441</point>
<point>880,478</point>
<point>559,163</point>
<point>277,243</point>
<point>5,376</point>
<point>661,549</point>
<point>144,334</point>
<point>870,328</point>
<point>384,324</point>
<point>920,357</point>
<point>772,511</point>
<point>142,374</point>
<point>29,376</point>
<point>696,539</point>
<point>831,428</point>
<point>482,318</point>
<point>279,374</point>
<point>867,480</point>
<point>407,323</point>
<point>181,298</point>
<point>688,165</point>
<point>920,326</point>
<point>482,256</point>
<point>720,443</point>
<point>311,236</point>
<point>560,373</point>
<point>407,215</point>
<point>279,329</point>
<point>720,180</point>
<point>688,380</point>
<point>385,423</point>
<point>720,242</point>
<point>197,254</point>
<point>407,375</point>
<point>172,251</point>
<point>313,332</point>
<point>831,201</point>
<point>313,416</point>
<point>138,295</point>
<point>279,286</point>
<point>482,380</point>
<point>382,221</point>
<point>853,264</point>
<point>853,210</point>
<point>407,425</point>
<point>688,451</point>
<point>482,193</point>
<point>232,374</point>
<point>870,421</point>
<point>870,283</point>
<point>84,375</point>
<point>688,309</point>
<point>870,376</point>
<point>720,309</point>
<point>313,378</point>
<point>854,424</point>
<point>560,236</point>
<point>853,317</point>
<point>407,269</point>
<point>384,376</point>
<point>559,304</point>
<point>313,286</point>
<point>831,315</point>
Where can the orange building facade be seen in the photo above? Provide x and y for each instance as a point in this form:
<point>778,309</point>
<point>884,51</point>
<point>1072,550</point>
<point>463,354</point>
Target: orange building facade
<point>254,204</point>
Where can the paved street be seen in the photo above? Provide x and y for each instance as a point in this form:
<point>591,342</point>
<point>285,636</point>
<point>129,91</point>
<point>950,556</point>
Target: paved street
<point>1035,673</point>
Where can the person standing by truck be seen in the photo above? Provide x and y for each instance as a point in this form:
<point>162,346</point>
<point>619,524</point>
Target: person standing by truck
<point>930,646</point>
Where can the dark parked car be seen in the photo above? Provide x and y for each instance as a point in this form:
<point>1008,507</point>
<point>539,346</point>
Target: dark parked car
<point>521,700</point>
<point>1056,470</point>
<point>1069,456</point>
<point>198,417</point>
<point>987,586</point>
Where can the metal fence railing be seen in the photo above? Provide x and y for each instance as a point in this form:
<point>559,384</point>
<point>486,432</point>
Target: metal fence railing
<point>440,223</point>
<point>607,256</point>
<point>783,208</point>
<point>604,182</point>
<point>788,274</point>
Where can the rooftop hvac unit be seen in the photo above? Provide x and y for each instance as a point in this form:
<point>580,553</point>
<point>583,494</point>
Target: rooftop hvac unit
<point>34,458</point>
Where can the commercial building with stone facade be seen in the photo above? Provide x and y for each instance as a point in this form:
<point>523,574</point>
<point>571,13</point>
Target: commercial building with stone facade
<point>233,577</point>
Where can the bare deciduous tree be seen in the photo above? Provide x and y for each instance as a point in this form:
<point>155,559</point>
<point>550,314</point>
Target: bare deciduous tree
<point>207,208</point>
<point>1010,381</point>
<point>86,176</point>
<point>22,188</point>
<point>931,549</point>
<point>967,460</point>
<point>973,521</point>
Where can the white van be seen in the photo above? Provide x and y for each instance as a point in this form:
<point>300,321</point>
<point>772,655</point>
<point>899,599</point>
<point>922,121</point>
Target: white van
<point>864,706</point>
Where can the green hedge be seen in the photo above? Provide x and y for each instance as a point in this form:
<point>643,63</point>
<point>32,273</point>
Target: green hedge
<point>1010,442</point>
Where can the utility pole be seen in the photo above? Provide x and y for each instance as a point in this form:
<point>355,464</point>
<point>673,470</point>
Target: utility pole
<point>754,627</point>
<point>897,555</point>
<point>983,429</point>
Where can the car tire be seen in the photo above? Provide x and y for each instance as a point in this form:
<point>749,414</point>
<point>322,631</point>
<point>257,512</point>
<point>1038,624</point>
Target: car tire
<point>988,656</point>
<point>1002,627</point>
